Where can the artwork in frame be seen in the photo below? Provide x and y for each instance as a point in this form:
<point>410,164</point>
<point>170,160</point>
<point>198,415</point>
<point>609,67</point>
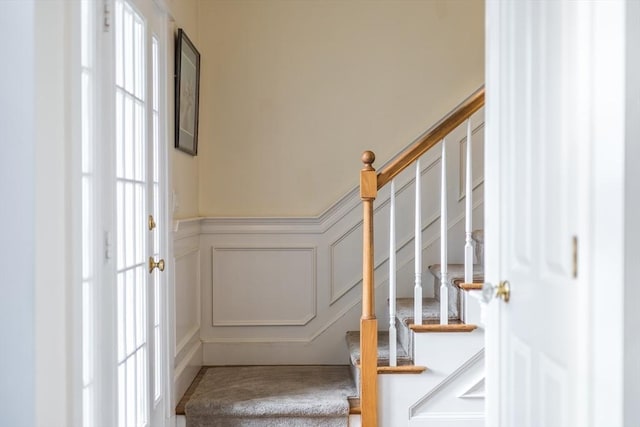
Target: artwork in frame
<point>187,91</point>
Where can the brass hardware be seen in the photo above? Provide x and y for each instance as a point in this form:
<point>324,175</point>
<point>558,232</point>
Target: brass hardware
<point>502,291</point>
<point>152,264</point>
<point>152,223</point>
<point>575,257</point>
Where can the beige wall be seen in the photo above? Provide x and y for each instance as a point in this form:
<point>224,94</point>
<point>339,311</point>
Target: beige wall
<point>293,92</point>
<point>184,169</point>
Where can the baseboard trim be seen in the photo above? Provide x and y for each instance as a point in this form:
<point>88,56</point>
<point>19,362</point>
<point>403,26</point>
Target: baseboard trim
<point>187,370</point>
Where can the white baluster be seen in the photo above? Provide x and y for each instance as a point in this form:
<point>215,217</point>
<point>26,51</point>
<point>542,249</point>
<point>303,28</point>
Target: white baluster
<point>392,278</point>
<point>444,294</point>
<point>468,245</point>
<point>417,290</point>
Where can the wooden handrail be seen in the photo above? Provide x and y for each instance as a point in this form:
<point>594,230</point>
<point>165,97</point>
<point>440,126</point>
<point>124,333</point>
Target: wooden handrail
<point>370,183</point>
<point>431,137</point>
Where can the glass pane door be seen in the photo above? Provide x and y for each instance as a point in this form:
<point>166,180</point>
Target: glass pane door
<point>138,173</point>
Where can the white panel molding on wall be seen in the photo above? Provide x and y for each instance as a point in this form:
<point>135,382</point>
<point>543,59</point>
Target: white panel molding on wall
<point>187,308</point>
<point>187,267</point>
<point>263,286</point>
<point>285,290</point>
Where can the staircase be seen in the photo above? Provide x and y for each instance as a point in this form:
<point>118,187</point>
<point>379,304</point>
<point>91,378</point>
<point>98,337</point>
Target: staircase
<point>439,347</point>
<point>439,367</point>
<point>439,374</point>
<point>427,367</point>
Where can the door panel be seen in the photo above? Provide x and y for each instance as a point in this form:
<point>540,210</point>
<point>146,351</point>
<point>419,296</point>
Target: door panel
<point>535,184</point>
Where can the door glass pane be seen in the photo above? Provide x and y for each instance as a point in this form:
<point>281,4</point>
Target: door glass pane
<point>155,278</point>
<point>131,210</point>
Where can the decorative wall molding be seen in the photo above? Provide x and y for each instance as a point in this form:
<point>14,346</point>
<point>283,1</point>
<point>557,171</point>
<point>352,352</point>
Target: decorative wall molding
<point>477,130</point>
<point>189,285</point>
<point>475,390</point>
<point>187,338</point>
<point>184,228</point>
<point>186,370</point>
<point>328,287</point>
<point>283,225</point>
<point>186,268</point>
<point>185,253</point>
<point>417,409</point>
<point>382,202</point>
<point>262,280</point>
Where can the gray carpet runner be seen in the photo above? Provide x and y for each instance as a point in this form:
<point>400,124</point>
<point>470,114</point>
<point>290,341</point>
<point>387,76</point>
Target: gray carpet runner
<point>266,396</point>
<point>353,344</point>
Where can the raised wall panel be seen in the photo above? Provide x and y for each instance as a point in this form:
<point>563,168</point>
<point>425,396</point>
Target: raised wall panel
<point>187,317</point>
<point>345,274</point>
<point>265,286</point>
<point>462,391</point>
<point>187,267</point>
<point>477,171</point>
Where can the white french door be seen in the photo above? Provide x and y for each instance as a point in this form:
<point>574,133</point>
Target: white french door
<point>140,217</point>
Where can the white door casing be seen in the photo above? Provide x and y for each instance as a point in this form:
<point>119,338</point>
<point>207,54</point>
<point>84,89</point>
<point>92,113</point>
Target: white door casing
<point>536,343</point>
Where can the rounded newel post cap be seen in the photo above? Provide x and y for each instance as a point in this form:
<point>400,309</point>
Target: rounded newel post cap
<point>368,157</point>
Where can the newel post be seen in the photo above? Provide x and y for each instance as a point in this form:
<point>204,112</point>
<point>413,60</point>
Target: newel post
<point>368,321</point>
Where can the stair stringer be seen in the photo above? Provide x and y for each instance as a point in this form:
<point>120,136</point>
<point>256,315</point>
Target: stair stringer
<point>457,401</point>
<point>455,367</point>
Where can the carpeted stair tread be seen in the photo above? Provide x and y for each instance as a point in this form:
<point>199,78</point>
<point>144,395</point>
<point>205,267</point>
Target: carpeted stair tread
<point>456,273</point>
<point>260,396</point>
<point>353,343</point>
<point>430,311</point>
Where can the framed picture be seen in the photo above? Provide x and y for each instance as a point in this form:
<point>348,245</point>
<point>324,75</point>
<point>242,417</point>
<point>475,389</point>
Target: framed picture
<point>187,94</point>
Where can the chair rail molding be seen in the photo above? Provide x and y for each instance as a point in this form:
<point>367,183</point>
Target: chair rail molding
<point>319,258</point>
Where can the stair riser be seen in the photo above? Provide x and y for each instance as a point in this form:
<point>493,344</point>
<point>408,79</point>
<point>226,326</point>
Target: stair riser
<point>404,337</point>
<point>454,297</point>
<point>355,374</point>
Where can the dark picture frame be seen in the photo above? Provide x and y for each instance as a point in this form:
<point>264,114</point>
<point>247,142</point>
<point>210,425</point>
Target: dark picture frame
<point>187,94</point>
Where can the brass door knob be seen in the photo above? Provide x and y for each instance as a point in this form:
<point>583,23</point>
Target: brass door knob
<point>502,291</point>
<point>152,264</point>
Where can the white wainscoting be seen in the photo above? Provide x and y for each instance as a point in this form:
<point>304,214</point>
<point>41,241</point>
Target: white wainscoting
<point>188,316</point>
<point>285,290</point>
<point>263,286</point>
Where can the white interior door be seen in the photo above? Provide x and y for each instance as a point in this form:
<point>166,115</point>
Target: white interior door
<point>532,162</point>
<point>140,212</point>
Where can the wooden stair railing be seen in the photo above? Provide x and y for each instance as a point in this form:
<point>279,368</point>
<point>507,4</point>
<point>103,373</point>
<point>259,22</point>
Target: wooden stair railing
<point>370,183</point>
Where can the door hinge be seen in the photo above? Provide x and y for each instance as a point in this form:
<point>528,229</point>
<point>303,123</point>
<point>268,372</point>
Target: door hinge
<point>107,245</point>
<point>106,19</point>
<point>575,257</point>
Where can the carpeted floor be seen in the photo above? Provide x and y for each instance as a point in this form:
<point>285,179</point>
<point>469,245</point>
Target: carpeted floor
<point>266,396</point>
